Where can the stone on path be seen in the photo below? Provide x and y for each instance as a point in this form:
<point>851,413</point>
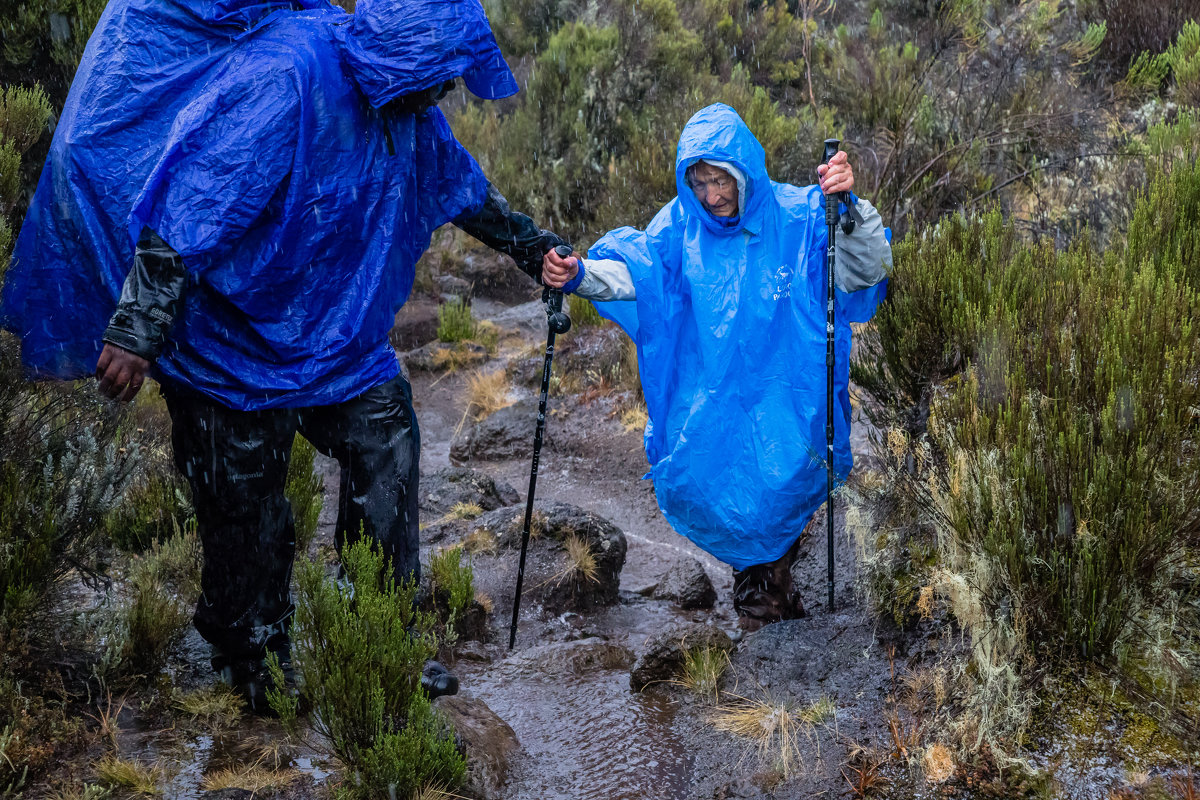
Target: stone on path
<point>488,740</point>
<point>663,653</point>
<point>686,584</point>
<point>506,434</point>
<point>459,486</point>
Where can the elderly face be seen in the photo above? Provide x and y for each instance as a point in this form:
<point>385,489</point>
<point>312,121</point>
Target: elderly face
<point>715,188</point>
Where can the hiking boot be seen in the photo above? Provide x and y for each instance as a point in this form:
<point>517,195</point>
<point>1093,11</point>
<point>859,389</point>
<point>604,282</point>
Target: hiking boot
<point>252,680</point>
<point>436,680</point>
<point>764,593</point>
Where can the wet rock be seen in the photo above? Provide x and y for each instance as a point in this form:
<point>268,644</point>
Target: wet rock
<point>416,324</point>
<point>495,276</point>
<point>453,286</point>
<point>687,585</point>
<point>582,357</point>
<point>555,578</point>
<point>229,794</point>
<point>442,355</point>
<point>575,658</point>
<point>489,742</point>
<point>506,434</point>
<point>474,651</point>
<point>455,486</point>
<point>663,653</point>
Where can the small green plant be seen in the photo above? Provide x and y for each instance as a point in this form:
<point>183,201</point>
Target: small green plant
<point>453,584</point>
<point>358,657</point>
<point>703,668</point>
<point>305,491</point>
<point>155,613</point>
<point>455,323</point>
<point>584,313</point>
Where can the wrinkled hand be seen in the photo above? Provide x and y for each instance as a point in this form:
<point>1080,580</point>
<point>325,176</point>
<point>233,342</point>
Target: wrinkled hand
<point>558,271</point>
<point>837,175</point>
<point>120,372</point>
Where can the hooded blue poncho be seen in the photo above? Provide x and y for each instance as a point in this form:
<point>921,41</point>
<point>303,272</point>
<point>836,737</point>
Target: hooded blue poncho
<point>300,209</point>
<point>141,66</point>
<point>730,327</point>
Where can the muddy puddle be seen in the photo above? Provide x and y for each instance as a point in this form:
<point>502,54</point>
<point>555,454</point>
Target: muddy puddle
<point>588,737</point>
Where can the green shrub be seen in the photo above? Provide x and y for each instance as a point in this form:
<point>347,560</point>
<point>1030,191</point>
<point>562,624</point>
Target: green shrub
<point>452,585</point>
<point>305,491</point>
<point>583,313</point>
<point>1054,475</point>
<point>455,323</point>
<point>358,656</point>
<point>161,588</point>
<point>156,508</point>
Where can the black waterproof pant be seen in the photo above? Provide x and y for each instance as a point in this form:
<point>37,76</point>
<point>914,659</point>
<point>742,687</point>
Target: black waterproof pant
<point>236,463</point>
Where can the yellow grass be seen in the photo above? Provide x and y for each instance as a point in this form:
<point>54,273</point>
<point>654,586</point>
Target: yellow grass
<point>581,561</point>
<point>253,778</point>
<point>217,706</point>
<point>703,668</point>
<point>137,778</point>
<point>774,727</point>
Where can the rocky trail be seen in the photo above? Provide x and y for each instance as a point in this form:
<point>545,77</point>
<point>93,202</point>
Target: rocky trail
<point>559,717</point>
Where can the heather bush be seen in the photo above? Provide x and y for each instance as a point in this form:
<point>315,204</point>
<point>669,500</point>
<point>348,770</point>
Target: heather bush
<point>305,492</point>
<point>1042,407</point>
<point>358,650</point>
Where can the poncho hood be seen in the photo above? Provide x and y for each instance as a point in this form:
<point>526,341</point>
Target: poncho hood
<point>717,133</point>
<point>397,47</point>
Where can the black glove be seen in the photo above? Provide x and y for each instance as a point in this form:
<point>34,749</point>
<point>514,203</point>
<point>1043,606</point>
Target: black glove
<point>510,232</point>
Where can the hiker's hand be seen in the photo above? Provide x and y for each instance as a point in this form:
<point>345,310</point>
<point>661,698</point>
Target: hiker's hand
<point>558,271</point>
<point>837,175</point>
<point>120,372</point>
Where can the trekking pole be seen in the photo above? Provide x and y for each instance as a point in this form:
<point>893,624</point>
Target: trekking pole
<point>558,322</point>
<point>831,221</point>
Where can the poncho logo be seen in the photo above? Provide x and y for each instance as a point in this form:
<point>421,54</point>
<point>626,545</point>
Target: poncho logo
<point>783,283</point>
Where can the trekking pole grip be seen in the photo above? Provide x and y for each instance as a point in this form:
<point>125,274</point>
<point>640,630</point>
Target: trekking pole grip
<point>557,318</point>
<point>831,200</point>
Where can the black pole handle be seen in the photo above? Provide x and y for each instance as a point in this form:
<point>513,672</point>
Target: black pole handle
<point>553,298</point>
<point>831,209</point>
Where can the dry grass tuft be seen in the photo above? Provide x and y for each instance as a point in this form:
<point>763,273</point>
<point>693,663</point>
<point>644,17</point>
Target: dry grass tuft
<point>465,511</point>
<point>581,561</point>
<point>635,418</point>
<point>938,763</point>
<point>216,706</point>
<point>436,793</point>
<point>253,778</point>
<point>84,791</point>
<point>131,775</point>
<point>485,602</point>
<point>703,668</point>
<point>480,540</point>
<point>774,727</point>
<point>487,393</point>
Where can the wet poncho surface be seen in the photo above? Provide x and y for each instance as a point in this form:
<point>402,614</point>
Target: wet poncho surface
<point>300,206</point>
<point>141,66</point>
<point>730,327</point>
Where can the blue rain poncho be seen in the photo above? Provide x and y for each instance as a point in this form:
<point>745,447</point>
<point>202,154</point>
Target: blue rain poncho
<point>141,65</point>
<point>730,328</point>
<point>300,208</point>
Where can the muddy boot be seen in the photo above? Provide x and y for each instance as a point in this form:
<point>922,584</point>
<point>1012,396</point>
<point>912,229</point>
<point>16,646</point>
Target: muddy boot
<point>436,680</point>
<point>764,593</point>
<point>251,679</point>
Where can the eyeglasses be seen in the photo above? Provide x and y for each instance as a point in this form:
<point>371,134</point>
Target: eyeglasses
<point>701,187</point>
